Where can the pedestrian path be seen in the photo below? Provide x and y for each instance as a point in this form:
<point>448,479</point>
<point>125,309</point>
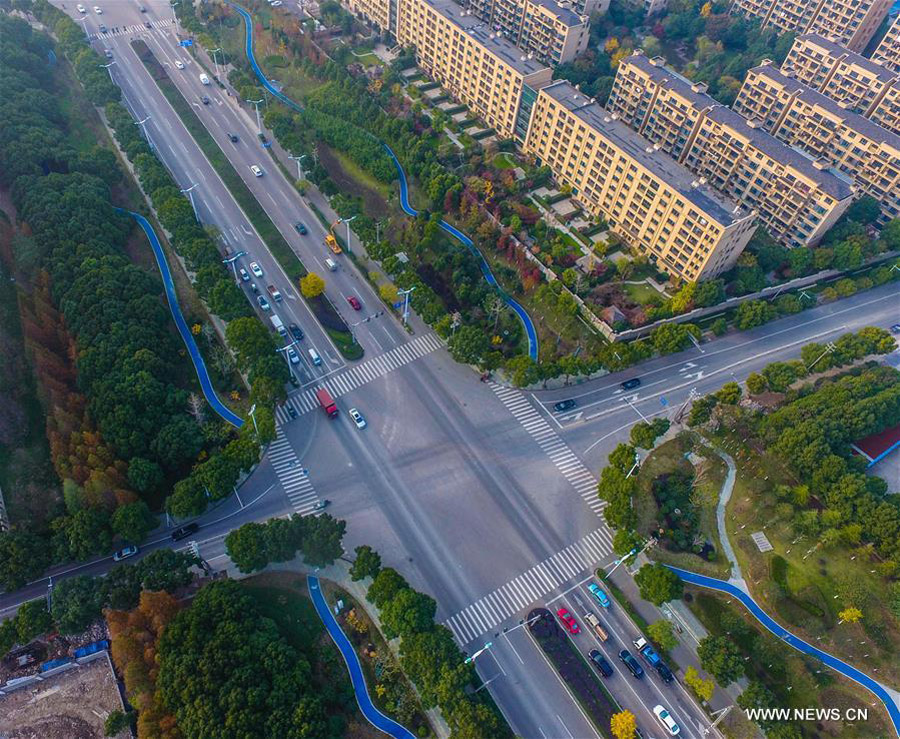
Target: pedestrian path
<point>570,466</point>
<point>131,30</point>
<point>343,382</point>
<point>291,474</point>
<point>519,594</point>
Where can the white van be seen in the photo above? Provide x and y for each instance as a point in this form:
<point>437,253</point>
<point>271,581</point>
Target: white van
<point>331,264</point>
<point>314,355</point>
<point>204,78</point>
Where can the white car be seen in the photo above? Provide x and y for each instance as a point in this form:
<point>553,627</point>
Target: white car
<point>244,276</point>
<point>276,3</point>
<point>179,63</point>
<point>255,269</point>
<point>125,553</point>
<point>665,718</point>
<point>357,418</point>
<point>98,10</point>
<point>80,8</point>
<point>256,170</point>
<point>293,356</point>
<point>263,303</point>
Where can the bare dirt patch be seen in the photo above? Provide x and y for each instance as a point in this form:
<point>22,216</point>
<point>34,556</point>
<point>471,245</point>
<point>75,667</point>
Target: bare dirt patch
<point>374,205</point>
<point>71,705</point>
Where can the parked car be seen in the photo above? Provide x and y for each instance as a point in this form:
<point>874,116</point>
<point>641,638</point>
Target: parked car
<point>244,276</point>
<point>98,10</point>
<point>293,356</point>
<point>665,718</point>
<point>354,302</point>
<point>263,303</point>
<point>296,331</point>
<point>103,28</point>
<point>664,672</point>
<point>80,8</point>
<point>632,383</point>
<point>564,405</point>
<point>631,663</point>
<point>125,553</point>
<point>256,170</point>
<point>256,269</point>
<point>600,663</point>
<point>183,532</point>
<point>568,620</point>
<point>357,418</point>
<point>301,227</point>
<point>107,54</point>
<point>598,593</point>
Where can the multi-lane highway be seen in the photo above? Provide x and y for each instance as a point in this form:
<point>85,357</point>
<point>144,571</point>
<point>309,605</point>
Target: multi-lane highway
<point>477,493</point>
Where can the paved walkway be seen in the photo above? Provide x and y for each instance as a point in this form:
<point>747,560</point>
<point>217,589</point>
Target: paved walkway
<point>736,579</point>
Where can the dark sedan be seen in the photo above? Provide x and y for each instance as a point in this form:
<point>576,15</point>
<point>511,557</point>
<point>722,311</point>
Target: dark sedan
<point>183,532</point>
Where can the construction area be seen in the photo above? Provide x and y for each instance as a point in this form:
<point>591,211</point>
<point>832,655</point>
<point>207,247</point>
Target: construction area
<point>72,704</point>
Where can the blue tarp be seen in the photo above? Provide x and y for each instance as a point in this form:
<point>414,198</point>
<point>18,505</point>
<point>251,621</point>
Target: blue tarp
<point>92,648</point>
<point>47,666</point>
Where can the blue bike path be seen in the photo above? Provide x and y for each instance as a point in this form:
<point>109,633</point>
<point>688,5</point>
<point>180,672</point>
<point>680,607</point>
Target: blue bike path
<point>188,338</point>
<point>404,195</point>
<point>798,644</point>
<point>372,714</point>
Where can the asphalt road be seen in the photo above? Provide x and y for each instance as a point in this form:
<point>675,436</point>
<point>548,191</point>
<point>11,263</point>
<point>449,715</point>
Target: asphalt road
<point>458,483</point>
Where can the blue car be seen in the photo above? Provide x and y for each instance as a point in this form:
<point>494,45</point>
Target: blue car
<point>597,592</point>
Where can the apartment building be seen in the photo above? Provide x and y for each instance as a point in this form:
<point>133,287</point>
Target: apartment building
<point>887,52</point>
<point>554,33</point>
<point>655,204</point>
<point>851,22</point>
<point>797,198</point>
<point>839,73</point>
<point>383,13</point>
<point>802,117</point>
<point>494,78</point>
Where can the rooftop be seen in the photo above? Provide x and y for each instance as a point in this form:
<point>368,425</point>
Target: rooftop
<point>668,78</point>
<point>828,180</point>
<point>491,40</point>
<point>855,121</point>
<point>564,15</point>
<point>837,50</point>
<point>661,165</point>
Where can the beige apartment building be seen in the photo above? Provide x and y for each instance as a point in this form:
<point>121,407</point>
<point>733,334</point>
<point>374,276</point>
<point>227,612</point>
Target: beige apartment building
<point>554,33</point>
<point>377,12</point>
<point>485,71</point>
<point>796,197</point>
<point>802,117</point>
<point>655,204</point>
<point>887,52</point>
<point>851,22</point>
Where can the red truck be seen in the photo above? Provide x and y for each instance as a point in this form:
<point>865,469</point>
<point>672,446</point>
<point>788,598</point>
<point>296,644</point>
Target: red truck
<point>327,402</point>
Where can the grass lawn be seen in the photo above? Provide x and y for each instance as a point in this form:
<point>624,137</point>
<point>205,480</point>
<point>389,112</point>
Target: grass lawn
<point>804,587</point>
<point>504,160</point>
<point>642,293</point>
<point>361,176</point>
<point>367,60</point>
<point>710,475</point>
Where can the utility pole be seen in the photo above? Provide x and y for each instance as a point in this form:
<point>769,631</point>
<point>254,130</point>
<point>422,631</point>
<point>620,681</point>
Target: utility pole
<point>256,104</point>
<point>144,129</point>
<point>191,198</point>
<point>84,27</point>
<point>377,231</point>
<point>174,16</point>
<point>255,427</point>
<point>405,294</point>
<point>829,348</point>
<point>215,61</point>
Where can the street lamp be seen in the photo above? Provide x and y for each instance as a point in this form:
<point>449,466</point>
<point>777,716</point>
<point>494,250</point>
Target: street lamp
<point>405,294</point>
<point>84,27</point>
<point>191,198</point>
<point>215,61</point>
<point>347,221</point>
<point>144,129</point>
<point>233,262</point>
<point>107,68</point>
<point>284,350</point>
<point>299,167</point>
<point>256,104</point>
<point>829,347</point>
<point>174,16</point>
<point>252,411</point>
<point>478,653</point>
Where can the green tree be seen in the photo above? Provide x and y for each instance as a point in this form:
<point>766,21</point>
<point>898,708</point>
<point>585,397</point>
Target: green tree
<point>32,619</point>
<point>385,586</point>
<point>143,475</point>
<point>311,285</point>
<point>133,521</point>
<point>118,721</point>
<point>82,534</point>
<point>721,658</point>
<point>366,564</point>
<point>322,536</point>
<point>670,338</point>
<point>753,313</point>
<point>77,603</point>
<point>703,689</point>
<point>658,584</point>
<point>701,410</point>
<point>617,490</point>
<point>719,327</point>
<point>23,556</point>
<point>523,370</point>
<point>644,435</point>
<point>729,393</point>
<point>625,540</point>
<point>662,633</point>
<point>247,546</point>
<point>468,344</point>
<point>408,612</point>
<point>623,456</point>
<point>756,384</point>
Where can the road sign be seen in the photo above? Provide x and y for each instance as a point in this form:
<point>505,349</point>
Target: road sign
<point>663,401</point>
<point>186,42</point>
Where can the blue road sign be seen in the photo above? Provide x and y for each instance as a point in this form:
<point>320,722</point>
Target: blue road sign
<point>186,42</point>
<point>663,401</point>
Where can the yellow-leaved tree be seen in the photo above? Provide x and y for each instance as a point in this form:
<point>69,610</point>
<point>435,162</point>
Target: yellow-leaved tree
<point>623,725</point>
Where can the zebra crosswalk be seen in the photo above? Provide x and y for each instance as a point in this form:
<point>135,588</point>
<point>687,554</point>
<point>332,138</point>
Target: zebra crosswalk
<point>342,383</point>
<point>293,477</point>
<point>131,30</point>
<point>530,587</point>
<point>570,466</point>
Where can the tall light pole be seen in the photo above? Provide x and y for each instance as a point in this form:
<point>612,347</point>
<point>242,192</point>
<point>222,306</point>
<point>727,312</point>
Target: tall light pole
<point>377,231</point>
<point>252,411</point>
<point>299,167</point>
<point>82,20</point>
<point>144,129</point>
<point>107,68</point>
<point>215,61</point>
<point>347,221</point>
<point>478,653</point>
<point>191,198</point>
<point>829,347</point>
<point>233,262</point>
<point>405,294</point>
<point>174,16</point>
<point>256,104</point>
